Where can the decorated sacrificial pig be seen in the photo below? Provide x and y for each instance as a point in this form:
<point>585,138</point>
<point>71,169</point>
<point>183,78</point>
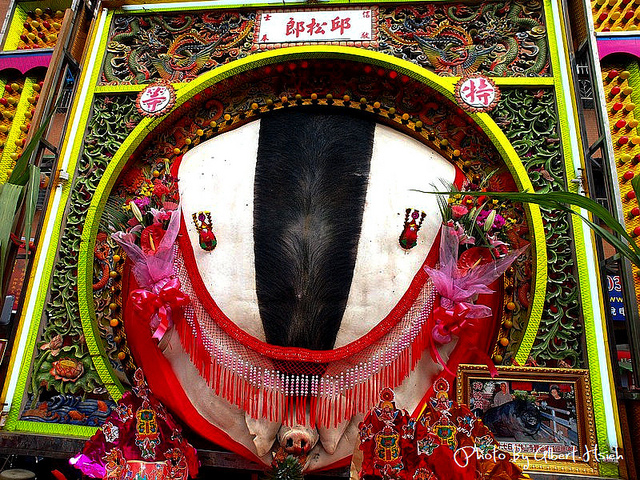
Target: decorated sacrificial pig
<point>282,272</point>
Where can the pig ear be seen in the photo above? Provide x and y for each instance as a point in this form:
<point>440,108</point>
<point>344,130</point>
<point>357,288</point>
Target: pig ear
<point>263,432</point>
<point>330,437</point>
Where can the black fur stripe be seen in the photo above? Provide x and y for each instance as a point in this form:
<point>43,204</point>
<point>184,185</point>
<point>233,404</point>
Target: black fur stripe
<point>310,186</point>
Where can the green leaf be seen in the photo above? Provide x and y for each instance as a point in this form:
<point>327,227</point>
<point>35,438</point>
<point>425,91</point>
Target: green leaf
<point>635,183</point>
<point>561,201</point>
<point>9,199</point>
<point>569,198</point>
<point>114,217</point>
<point>32,189</point>
<point>621,247</point>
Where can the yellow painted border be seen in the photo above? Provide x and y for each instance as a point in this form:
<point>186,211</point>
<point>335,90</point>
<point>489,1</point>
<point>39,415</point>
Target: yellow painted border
<point>55,429</point>
<point>15,28</point>
<point>147,125</point>
<point>74,142</point>
<point>20,16</point>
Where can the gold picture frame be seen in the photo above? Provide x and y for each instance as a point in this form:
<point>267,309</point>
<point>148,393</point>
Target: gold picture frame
<point>542,416</point>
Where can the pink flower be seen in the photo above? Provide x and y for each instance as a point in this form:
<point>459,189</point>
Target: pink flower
<point>459,211</point>
<point>123,237</point>
<point>500,248</point>
<point>482,216</point>
<point>142,202</point>
<point>55,345</point>
<point>494,242</point>
<point>498,222</point>
<point>161,215</point>
<point>459,232</point>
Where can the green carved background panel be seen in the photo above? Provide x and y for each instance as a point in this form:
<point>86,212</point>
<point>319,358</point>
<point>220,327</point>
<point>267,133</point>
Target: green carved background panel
<point>65,386</point>
<point>530,122</point>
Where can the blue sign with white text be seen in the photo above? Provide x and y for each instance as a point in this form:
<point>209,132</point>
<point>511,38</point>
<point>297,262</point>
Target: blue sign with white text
<point>616,303</point>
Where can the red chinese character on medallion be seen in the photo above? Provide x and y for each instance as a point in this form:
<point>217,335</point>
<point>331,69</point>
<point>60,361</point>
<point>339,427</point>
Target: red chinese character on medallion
<point>477,93</point>
<point>156,99</point>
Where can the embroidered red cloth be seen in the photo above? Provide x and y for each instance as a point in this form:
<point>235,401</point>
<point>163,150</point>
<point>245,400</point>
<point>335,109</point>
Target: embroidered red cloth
<point>139,437</point>
<point>445,442</point>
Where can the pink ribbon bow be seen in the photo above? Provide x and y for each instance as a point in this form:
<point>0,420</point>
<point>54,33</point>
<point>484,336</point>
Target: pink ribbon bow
<point>448,322</point>
<point>151,305</point>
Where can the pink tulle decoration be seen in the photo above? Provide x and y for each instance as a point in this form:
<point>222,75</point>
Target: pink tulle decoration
<point>91,468</point>
<point>151,270</point>
<point>154,271</point>
<point>459,288</point>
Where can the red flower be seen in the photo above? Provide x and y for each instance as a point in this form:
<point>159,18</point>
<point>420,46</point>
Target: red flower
<point>159,188</point>
<point>473,257</point>
<point>151,237</point>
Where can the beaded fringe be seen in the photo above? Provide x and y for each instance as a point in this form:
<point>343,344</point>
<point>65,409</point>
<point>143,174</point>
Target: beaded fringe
<point>305,399</point>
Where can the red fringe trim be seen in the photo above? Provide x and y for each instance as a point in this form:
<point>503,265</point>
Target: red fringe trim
<point>301,399</point>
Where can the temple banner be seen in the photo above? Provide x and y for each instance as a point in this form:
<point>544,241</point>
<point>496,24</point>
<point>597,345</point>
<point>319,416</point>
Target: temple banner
<point>314,26</point>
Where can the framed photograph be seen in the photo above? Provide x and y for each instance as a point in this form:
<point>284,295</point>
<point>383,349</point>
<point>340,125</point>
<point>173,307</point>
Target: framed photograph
<point>542,416</point>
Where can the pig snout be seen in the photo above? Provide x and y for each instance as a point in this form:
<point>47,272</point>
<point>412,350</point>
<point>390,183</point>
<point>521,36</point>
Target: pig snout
<point>297,440</point>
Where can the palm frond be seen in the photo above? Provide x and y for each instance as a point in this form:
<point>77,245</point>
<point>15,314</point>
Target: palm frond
<point>9,201</point>
<point>20,172</point>
<point>617,237</point>
<point>114,217</point>
<point>32,189</point>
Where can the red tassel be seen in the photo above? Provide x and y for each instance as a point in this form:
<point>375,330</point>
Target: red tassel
<point>313,403</point>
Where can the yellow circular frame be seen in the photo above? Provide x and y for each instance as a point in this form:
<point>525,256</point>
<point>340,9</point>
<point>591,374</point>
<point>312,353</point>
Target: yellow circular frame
<point>147,125</point>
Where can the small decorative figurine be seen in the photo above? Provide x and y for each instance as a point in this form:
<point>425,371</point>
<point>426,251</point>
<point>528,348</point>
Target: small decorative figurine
<point>409,236</point>
<point>204,225</point>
